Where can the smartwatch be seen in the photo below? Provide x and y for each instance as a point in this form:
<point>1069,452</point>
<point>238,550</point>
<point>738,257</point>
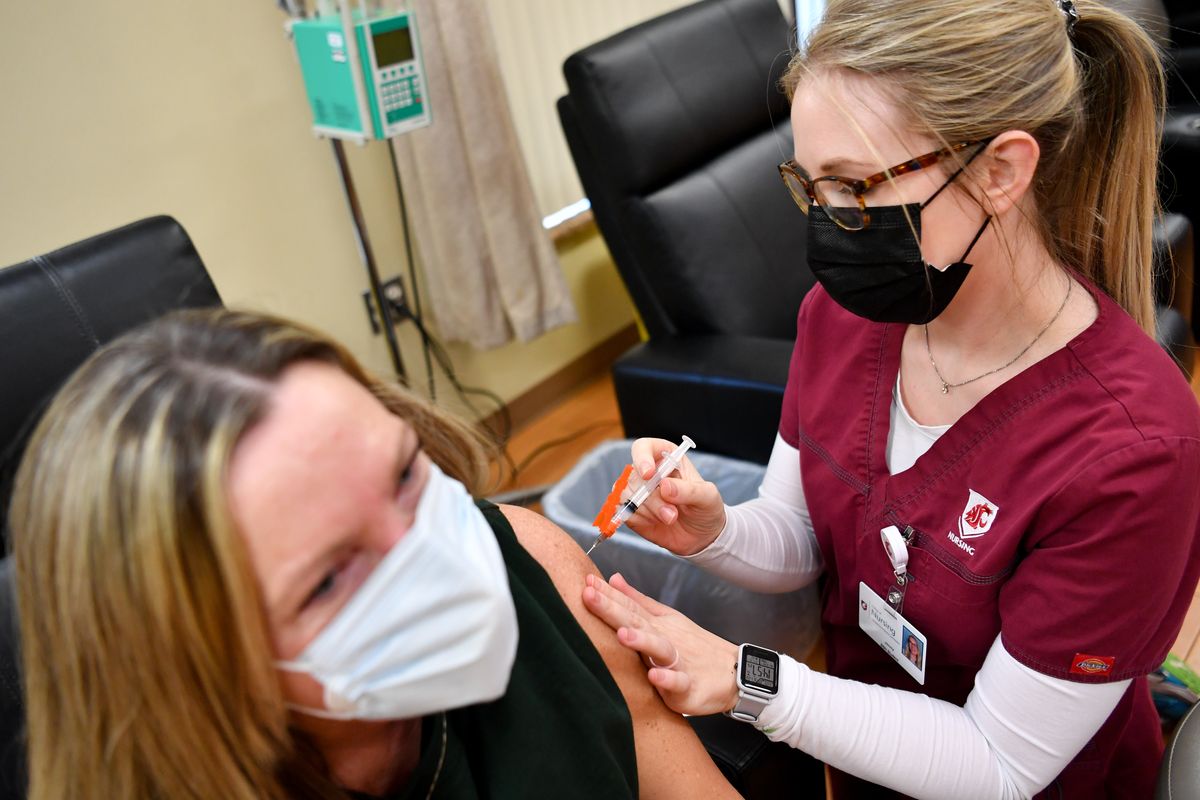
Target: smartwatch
<point>757,674</point>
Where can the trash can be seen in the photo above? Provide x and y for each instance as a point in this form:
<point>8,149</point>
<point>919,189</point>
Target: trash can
<point>789,622</point>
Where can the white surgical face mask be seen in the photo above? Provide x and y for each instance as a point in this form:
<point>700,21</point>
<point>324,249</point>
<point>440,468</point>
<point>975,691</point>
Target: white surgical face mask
<point>432,628</point>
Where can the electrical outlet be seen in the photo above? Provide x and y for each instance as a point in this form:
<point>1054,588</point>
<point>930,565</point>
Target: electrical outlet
<point>393,293</point>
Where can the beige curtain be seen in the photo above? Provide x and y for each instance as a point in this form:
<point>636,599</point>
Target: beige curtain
<point>489,270</point>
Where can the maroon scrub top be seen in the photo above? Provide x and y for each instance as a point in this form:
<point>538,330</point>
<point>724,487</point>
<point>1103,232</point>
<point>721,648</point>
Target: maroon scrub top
<point>1062,512</point>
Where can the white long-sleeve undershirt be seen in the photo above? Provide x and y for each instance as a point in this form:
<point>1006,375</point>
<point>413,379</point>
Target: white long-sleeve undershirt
<point>1016,732</point>
<point>767,544</point>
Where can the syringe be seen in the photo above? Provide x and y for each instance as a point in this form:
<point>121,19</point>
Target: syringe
<point>668,465</point>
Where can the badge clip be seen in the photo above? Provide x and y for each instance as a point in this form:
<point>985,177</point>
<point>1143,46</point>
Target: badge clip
<point>897,553</point>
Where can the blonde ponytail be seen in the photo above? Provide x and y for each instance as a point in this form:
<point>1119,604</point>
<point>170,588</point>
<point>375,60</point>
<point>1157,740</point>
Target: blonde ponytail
<point>1099,195</point>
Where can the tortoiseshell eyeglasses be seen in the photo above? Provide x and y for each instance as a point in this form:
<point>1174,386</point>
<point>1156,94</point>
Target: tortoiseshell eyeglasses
<point>842,199</point>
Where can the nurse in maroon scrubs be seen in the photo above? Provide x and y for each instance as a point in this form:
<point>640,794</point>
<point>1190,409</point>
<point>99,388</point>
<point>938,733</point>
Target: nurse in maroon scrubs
<point>982,450</point>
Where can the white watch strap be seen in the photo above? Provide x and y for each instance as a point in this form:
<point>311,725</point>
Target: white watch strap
<point>749,706</point>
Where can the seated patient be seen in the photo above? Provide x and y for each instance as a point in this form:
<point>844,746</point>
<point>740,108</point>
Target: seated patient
<point>249,569</point>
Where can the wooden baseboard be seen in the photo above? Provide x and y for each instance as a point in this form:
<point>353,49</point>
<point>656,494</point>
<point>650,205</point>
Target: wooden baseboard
<point>546,394</point>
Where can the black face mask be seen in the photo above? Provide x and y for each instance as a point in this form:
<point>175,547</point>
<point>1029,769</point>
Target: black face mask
<point>878,273</point>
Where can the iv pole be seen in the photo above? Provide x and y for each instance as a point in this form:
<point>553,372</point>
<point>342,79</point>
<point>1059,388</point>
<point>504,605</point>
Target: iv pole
<point>386,319</point>
<point>368,259</point>
<point>388,312</point>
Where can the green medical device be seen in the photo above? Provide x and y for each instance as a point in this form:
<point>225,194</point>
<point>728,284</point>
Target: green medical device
<point>371,86</point>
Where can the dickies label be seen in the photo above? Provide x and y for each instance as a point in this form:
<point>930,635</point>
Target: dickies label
<point>1087,664</point>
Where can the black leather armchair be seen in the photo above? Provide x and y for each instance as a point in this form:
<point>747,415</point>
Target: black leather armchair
<point>55,310</point>
<point>1183,53</point>
<point>1179,774</point>
<point>1175,24</point>
<point>1173,27</point>
<point>676,126</point>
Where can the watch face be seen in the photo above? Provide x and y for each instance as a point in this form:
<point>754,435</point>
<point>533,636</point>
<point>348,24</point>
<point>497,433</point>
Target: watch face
<point>760,668</point>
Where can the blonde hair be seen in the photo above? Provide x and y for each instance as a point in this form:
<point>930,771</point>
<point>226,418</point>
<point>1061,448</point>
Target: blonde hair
<point>965,71</point>
<point>147,665</point>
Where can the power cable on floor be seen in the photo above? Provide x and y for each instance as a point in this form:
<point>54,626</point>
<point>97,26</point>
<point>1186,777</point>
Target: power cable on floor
<point>442,358</point>
<point>504,435</point>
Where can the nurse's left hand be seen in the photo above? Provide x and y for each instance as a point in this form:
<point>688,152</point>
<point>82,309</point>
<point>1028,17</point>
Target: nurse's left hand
<point>692,669</point>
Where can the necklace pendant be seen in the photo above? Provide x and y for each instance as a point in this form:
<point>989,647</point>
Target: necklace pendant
<point>945,388</point>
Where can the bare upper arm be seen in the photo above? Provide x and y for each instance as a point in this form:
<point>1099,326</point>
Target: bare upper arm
<point>671,760</point>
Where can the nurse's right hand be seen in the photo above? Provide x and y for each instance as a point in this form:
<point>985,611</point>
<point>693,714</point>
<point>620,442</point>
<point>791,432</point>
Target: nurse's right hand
<point>686,513</point>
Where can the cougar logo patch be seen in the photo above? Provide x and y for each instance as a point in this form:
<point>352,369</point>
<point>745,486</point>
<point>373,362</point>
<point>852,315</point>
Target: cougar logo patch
<point>977,517</point>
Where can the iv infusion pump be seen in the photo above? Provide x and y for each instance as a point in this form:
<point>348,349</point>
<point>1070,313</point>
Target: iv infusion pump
<point>364,77</point>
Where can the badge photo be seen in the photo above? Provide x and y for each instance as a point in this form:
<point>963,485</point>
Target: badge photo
<point>888,628</point>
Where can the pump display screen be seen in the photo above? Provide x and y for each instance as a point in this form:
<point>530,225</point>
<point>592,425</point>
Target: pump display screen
<point>393,47</point>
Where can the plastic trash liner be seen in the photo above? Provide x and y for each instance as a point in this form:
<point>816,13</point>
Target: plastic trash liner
<point>787,622</point>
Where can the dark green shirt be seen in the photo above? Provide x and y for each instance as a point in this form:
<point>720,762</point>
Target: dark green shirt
<point>561,730</point>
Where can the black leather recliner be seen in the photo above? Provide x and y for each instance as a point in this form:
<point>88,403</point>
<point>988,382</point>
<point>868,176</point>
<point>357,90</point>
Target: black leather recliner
<point>1175,24</point>
<point>1170,25</point>
<point>55,310</point>
<point>676,127</point>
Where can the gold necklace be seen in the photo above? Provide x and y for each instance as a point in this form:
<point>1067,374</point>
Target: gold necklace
<point>947,386</point>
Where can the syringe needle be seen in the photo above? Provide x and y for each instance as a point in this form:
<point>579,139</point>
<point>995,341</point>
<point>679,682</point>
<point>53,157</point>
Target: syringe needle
<point>611,517</point>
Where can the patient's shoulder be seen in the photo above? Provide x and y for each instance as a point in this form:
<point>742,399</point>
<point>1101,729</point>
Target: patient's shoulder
<point>568,567</point>
<point>553,548</point>
<point>671,761</point>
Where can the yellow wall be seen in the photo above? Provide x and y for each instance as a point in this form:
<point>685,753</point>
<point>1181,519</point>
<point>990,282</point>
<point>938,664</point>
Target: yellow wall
<point>111,112</point>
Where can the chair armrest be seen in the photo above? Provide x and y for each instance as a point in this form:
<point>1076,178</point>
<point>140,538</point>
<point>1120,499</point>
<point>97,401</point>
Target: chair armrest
<point>1175,336</point>
<point>1174,263</point>
<point>725,392</point>
<point>1179,774</point>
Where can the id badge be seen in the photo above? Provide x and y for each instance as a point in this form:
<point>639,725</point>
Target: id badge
<point>898,637</point>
